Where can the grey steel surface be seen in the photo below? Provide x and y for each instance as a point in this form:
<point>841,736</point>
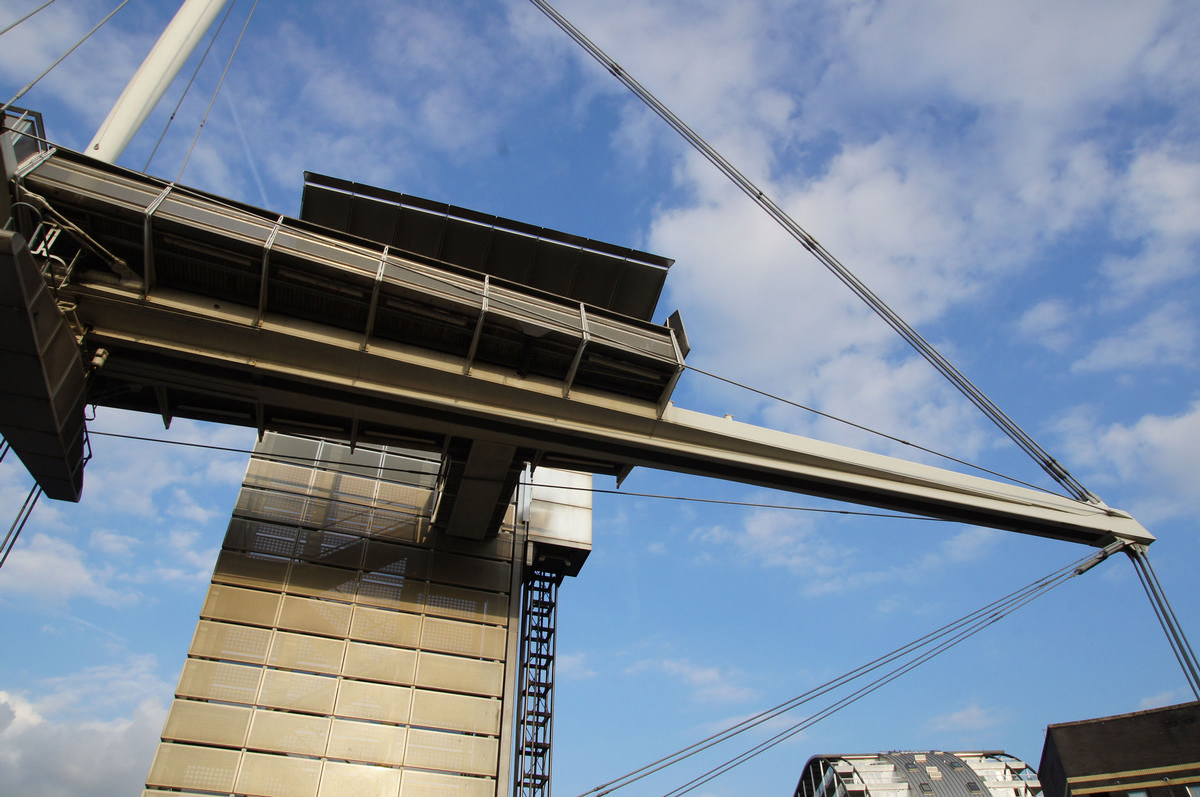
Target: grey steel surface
<point>41,405</point>
<point>938,775</point>
<point>253,320</point>
<point>599,274</point>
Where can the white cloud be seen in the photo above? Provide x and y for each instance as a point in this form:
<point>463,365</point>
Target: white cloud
<point>1047,323</point>
<point>776,538</point>
<point>969,719</point>
<point>89,734</point>
<point>52,570</point>
<point>573,666</point>
<point>707,684</point>
<point>1154,458</point>
<point>1158,211</point>
<point>826,566</point>
<point>114,543</point>
<point>1167,336</point>
<point>1167,698</point>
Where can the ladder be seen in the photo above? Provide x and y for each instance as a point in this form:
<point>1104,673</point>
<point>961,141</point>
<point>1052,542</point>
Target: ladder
<point>535,697</point>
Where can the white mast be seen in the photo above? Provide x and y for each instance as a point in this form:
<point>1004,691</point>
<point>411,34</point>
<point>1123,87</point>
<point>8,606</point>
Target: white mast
<point>161,66</point>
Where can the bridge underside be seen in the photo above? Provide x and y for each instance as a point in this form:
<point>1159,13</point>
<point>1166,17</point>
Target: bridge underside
<point>192,306</point>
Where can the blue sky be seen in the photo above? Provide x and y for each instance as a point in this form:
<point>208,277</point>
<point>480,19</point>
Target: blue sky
<point>1020,180</point>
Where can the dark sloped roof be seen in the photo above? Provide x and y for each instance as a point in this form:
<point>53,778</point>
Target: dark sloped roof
<point>604,275</point>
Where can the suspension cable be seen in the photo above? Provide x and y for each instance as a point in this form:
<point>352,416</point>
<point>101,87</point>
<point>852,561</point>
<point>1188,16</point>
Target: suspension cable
<point>857,286</point>
<point>188,87</point>
<point>14,531</point>
<point>12,25</point>
<point>1166,617</point>
<point>936,641</point>
<point>62,57</point>
<point>862,428</point>
<point>593,490</point>
<point>878,683</point>
<point>217,90</point>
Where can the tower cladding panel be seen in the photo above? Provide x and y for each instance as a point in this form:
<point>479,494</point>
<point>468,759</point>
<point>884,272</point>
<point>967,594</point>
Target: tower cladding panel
<point>343,647</point>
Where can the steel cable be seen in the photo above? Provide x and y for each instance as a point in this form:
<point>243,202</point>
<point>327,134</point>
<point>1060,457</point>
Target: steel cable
<point>14,531</point>
<point>12,25</point>
<point>188,87</point>
<point>952,633</point>
<point>857,286</point>
<point>1166,617</point>
<point>63,57</point>
<point>217,90</point>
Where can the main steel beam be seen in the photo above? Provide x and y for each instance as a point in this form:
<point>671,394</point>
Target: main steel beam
<point>301,370</point>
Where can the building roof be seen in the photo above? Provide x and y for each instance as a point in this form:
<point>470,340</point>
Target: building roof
<point>932,773</point>
<point>1122,752</point>
<point>599,274</point>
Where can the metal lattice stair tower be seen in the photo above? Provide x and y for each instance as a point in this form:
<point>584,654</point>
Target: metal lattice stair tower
<point>535,707</point>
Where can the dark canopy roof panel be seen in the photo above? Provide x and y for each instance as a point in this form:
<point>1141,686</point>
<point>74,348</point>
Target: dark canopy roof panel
<point>616,278</point>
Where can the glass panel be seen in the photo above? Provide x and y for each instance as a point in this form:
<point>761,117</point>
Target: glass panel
<point>300,652</point>
<point>369,701</point>
<point>277,476</point>
<point>353,488</point>
<point>434,784</point>
<point>467,604</point>
<point>288,733</point>
<point>396,559</point>
<point>211,680</point>
<point>363,462</point>
<point>242,605</point>
<point>452,752</point>
<point>403,496</point>
<point>352,518</point>
<point>377,663</point>
<point>361,741</point>
<point>186,766</point>
<point>250,571</point>
<point>298,691</point>
<point>397,525</point>
<point>322,582</point>
<point>278,776</point>
<point>390,628</point>
<point>230,642</point>
<point>467,639</point>
<point>314,616</point>
<point>471,571</point>
<point>209,723</point>
<point>460,675</point>
<point>391,591</point>
<point>411,468</point>
<point>359,780</point>
<point>330,548</point>
<point>499,547</point>
<point>272,506</point>
<point>455,712</point>
<point>257,536</point>
<point>288,448</point>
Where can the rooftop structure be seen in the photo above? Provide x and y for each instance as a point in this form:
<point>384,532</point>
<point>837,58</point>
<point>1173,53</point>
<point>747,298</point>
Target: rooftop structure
<point>1153,753</point>
<point>918,774</point>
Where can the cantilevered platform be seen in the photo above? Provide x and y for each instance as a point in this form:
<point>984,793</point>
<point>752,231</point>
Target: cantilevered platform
<point>203,308</point>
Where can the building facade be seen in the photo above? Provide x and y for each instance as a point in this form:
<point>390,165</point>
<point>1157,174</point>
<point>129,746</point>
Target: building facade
<point>345,646</point>
<point>918,774</point>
